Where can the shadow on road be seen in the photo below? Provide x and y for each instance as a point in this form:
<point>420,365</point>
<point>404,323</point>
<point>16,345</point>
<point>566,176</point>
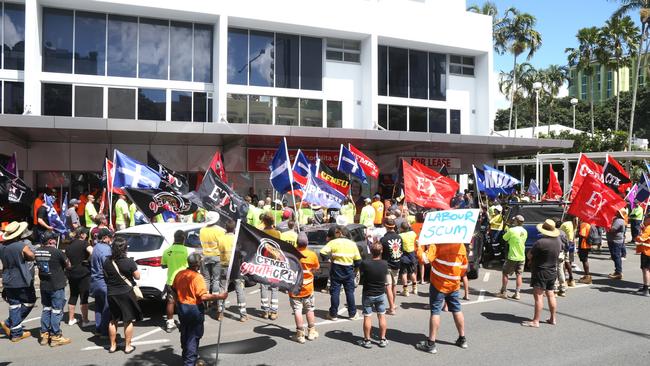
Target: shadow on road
<point>273,330</point>
<point>615,283</point>
<point>504,317</point>
<point>243,347</point>
<point>414,305</point>
<point>161,356</point>
<point>344,336</point>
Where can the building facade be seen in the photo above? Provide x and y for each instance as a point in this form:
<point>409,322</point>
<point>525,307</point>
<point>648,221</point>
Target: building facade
<point>398,78</point>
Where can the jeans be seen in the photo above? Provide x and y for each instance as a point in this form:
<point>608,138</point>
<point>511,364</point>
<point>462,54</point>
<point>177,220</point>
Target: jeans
<point>616,251</point>
<point>635,226</point>
<point>264,298</point>
<point>191,319</point>
<point>347,282</point>
<point>102,314</point>
<point>53,302</point>
<point>211,270</point>
<point>21,302</point>
<point>239,290</point>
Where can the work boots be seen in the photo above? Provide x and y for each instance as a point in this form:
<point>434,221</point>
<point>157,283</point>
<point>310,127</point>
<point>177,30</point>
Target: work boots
<point>59,340</point>
<point>299,336</point>
<point>405,292</point>
<point>585,280</point>
<point>45,339</point>
<point>312,334</point>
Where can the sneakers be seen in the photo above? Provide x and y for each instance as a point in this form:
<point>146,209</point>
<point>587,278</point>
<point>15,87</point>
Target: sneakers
<point>461,342</point>
<point>383,343</point>
<point>515,296</point>
<point>585,280</point>
<point>623,258</point>
<point>502,294</point>
<point>72,321</point>
<point>332,317</point>
<point>26,334</point>
<point>355,317</point>
<point>405,292</point>
<point>273,316</point>
<point>59,340</point>
<point>561,293</point>
<point>45,339</point>
<point>169,325</point>
<point>643,291</point>
<point>615,276</point>
<point>427,346</point>
<point>243,317</point>
<point>414,289</point>
<point>312,334</point>
<point>571,283</point>
<point>299,336</point>
<point>365,343</point>
<point>5,328</point>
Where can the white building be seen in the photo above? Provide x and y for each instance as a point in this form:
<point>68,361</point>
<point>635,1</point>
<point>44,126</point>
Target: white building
<point>396,78</point>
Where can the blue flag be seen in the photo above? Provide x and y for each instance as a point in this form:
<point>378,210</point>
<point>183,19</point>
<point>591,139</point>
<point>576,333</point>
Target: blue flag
<point>281,174</point>
<point>494,182</point>
<point>349,164</point>
<point>533,189</point>
<point>320,193</point>
<point>132,173</point>
<point>643,192</point>
<point>53,217</point>
<point>302,165</point>
<point>64,208</point>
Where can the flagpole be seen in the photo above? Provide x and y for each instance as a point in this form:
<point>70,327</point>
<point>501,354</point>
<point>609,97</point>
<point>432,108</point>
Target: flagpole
<point>478,191</point>
<point>290,172</point>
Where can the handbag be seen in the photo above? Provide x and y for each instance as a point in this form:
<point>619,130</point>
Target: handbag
<point>136,290</point>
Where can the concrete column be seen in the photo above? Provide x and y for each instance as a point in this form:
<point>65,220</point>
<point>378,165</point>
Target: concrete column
<point>33,58</point>
<point>484,109</point>
<point>220,68</point>
<point>370,84</point>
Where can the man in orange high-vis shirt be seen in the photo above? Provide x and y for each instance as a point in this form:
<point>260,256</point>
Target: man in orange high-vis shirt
<point>583,250</point>
<point>448,265</point>
<point>643,248</point>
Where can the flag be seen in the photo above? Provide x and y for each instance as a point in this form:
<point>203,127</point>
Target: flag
<point>301,168</point>
<point>643,191</point>
<point>16,197</point>
<point>533,189</point>
<point>102,201</point>
<point>264,259</point>
<point>443,170</point>
<point>398,182</point>
<point>494,182</point>
<point>595,203</point>
<point>631,195</point>
<point>12,165</point>
<point>169,177</point>
<point>369,167</point>
<point>553,191</point>
<point>281,173</point>
<point>64,208</point>
<point>426,190</point>
<point>320,193</point>
<point>215,195</point>
<point>104,179</point>
<point>440,179</point>
<point>585,167</point>
<point>152,202</point>
<point>336,180</point>
<point>131,173</point>
<point>349,164</point>
<point>217,165</point>
<point>53,216</point>
<point>615,176</point>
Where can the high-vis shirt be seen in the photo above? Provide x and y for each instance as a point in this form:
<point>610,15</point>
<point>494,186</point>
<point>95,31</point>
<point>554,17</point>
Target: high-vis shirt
<point>209,237</point>
<point>643,242</point>
<point>175,259</point>
<point>408,241</point>
<point>342,251</point>
<point>132,210</point>
<point>225,248</point>
<point>516,237</point>
<point>379,212</point>
<point>637,213</point>
<point>448,265</point>
<point>583,233</point>
<point>367,217</point>
<point>89,214</point>
<point>121,208</point>
<point>347,211</point>
<point>290,237</point>
<point>496,222</point>
<point>309,264</point>
<point>568,229</point>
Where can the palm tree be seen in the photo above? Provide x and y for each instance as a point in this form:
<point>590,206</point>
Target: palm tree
<point>553,78</point>
<point>498,23</point>
<point>506,85</point>
<point>582,58</point>
<point>643,6</point>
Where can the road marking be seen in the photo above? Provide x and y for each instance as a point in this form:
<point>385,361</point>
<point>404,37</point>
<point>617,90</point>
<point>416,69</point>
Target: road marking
<point>147,334</point>
<point>486,277</point>
<point>31,319</point>
<point>254,292</point>
<point>481,296</point>
<point>140,343</point>
<point>480,301</point>
<point>343,310</point>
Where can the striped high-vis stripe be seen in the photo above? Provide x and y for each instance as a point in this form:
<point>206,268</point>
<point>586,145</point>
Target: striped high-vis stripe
<point>448,265</point>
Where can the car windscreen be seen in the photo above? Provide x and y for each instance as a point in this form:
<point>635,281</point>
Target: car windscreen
<point>357,234</point>
<point>536,214</point>
<point>141,242</point>
<point>317,237</point>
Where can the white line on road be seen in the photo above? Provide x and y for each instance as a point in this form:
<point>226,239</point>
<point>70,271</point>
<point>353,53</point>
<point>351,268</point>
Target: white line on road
<point>147,334</point>
<point>481,296</point>
<point>140,343</point>
<point>254,292</point>
<point>486,277</point>
<point>31,319</point>
<point>342,310</point>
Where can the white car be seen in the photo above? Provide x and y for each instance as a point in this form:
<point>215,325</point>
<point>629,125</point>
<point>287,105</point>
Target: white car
<point>146,246</point>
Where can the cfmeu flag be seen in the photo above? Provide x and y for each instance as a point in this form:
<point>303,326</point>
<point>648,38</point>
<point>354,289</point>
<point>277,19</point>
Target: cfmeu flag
<point>614,176</point>
<point>152,202</point>
<point>217,165</point>
<point>281,174</point>
<point>336,180</point>
<point>426,190</point>
<point>585,167</point>
<point>215,195</point>
<point>264,259</point>
<point>369,167</point>
<point>132,173</point>
<point>349,164</point>
<point>595,203</point>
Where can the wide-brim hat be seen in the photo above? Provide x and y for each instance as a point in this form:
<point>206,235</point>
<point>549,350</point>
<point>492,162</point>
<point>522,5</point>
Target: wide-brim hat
<point>519,218</point>
<point>547,228</point>
<point>14,230</point>
<point>211,218</point>
<point>315,207</point>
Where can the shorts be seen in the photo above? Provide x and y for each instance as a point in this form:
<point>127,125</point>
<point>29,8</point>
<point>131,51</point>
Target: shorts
<point>645,261</point>
<point>300,303</point>
<point>583,254</point>
<point>392,277</point>
<point>375,304</point>
<point>510,267</point>
<point>544,280</point>
<point>570,256</point>
<point>437,299</point>
<point>408,268</point>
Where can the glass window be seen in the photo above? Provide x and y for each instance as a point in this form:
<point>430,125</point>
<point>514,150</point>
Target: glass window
<point>334,55</point>
<point>151,104</point>
<point>203,53</point>
<point>461,65</point>
<point>237,56</point>
<point>334,114</point>
<point>261,112</point>
<point>88,101</point>
<point>437,120</point>
<point>14,37</point>
<point>583,89</point>
<point>418,74</point>
<point>237,108</point>
<point>311,112</point>
<point>398,77</point>
<point>153,48</point>
<point>417,119</point>
<point>343,50</point>
<point>397,118</point>
<point>121,103</point>
<point>382,116</point>
<point>261,58</point>
<point>454,121</point>
<point>181,105</point>
<point>14,92</point>
<point>287,61</point>
<point>383,70</point>
<point>57,40</point>
<point>200,107</point>
<point>57,100</point>
<point>122,45</point>
<point>90,43</point>
<point>609,83</point>
<point>180,60</point>
<point>437,76</point>
<point>311,64</point>
<point>286,111</point>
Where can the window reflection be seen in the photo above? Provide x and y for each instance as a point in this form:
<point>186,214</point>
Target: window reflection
<point>153,48</point>
<point>57,40</point>
<point>13,97</point>
<point>454,121</point>
<point>417,119</point>
<point>180,61</point>
<point>203,53</point>
<point>311,112</point>
<point>287,61</point>
<point>437,120</point>
<point>181,105</point>
<point>397,72</point>
<point>334,114</point>
<point>261,58</point>
<point>14,36</point>
<point>286,111</point>
<point>151,104</point>
<point>237,56</point>
<point>261,112</point>
<point>88,101</point>
<point>237,108</point>
<point>311,63</point>
<point>397,118</point>
<point>122,45</point>
<point>90,42</point>
<point>121,103</point>
<point>57,100</point>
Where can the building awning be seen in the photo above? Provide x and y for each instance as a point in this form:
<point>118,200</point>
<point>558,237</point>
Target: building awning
<point>22,130</point>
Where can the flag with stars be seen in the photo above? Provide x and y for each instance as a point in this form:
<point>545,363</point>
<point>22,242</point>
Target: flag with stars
<point>131,173</point>
<point>349,164</point>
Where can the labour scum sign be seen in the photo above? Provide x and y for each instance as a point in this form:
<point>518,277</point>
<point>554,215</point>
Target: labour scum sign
<point>448,227</point>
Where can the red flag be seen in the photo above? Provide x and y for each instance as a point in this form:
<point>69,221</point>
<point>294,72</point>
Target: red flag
<point>369,167</point>
<point>615,176</point>
<point>553,191</point>
<point>217,165</point>
<point>595,203</point>
<point>102,202</point>
<point>440,178</point>
<point>585,167</point>
<point>426,190</point>
<point>110,172</point>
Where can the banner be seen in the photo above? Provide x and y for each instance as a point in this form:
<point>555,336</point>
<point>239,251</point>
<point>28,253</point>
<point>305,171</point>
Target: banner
<point>349,164</point>
<point>215,195</point>
<point>585,167</point>
<point>132,173</point>
<point>533,189</point>
<point>553,191</point>
<point>258,159</point>
<point>169,177</point>
<point>436,162</point>
<point>615,176</point>
<point>333,178</point>
<point>16,197</point>
<point>595,203</point>
<point>443,171</point>
<point>53,216</point>
<point>449,227</point>
<point>152,202</point>
<point>369,167</point>
<point>493,182</point>
<point>427,190</point>
<point>217,165</point>
<point>320,193</point>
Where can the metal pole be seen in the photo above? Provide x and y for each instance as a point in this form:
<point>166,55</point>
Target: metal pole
<point>536,113</point>
<point>574,116</point>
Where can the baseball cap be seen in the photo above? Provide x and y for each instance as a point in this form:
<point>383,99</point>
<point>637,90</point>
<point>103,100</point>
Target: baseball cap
<point>74,201</point>
<point>104,233</point>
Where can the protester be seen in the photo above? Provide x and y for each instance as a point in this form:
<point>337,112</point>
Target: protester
<point>71,217</point>
<point>226,243</point>
<point>419,249</point>
<point>345,257</point>
<point>496,223</point>
<point>543,271</point>
<point>191,292</point>
<point>378,206</point>
<point>367,216</point>
<point>51,264</point>
<point>408,261</point>
<point>643,248</point>
<point>101,222</point>
<point>305,298</point>
<point>348,210</point>
<point>636,219</point>
<point>78,253</point>
<point>290,235</point>
<point>17,280</point>
<point>516,237</point>
<point>133,209</point>
<point>374,273</point>
<point>584,246</point>
<point>209,236</point>
<point>121,213</point>
<point>98,290</point>
<point>174,259</point>
<point>43,223</point>
<point>270,309</point>
<point>392,253</point>
<point>616,242</point>
<point>90,212</point>
<point>448,264</point>
<point>568,229</point>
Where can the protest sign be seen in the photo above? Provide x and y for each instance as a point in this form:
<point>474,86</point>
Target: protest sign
<point>448,227</point>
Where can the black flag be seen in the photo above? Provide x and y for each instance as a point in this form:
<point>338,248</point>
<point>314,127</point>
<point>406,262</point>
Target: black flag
<point>444,171</point>
<point>152,202</point>
<point>615,176</point>
<point>15,197</point>
<point>215,195</point>
<point>172,179</point>
<point>264,259</point>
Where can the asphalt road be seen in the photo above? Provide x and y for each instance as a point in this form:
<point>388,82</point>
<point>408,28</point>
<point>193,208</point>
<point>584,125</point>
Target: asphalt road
<point>602,324</point>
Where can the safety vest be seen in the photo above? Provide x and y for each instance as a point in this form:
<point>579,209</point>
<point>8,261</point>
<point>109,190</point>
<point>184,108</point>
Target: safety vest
<point>210,236</point>
<point>379,212</point>
<point>637,213</point>
<point>643,242</point>
<point>448,265</point>
<point>584,235</point>
<point>342,251</point>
